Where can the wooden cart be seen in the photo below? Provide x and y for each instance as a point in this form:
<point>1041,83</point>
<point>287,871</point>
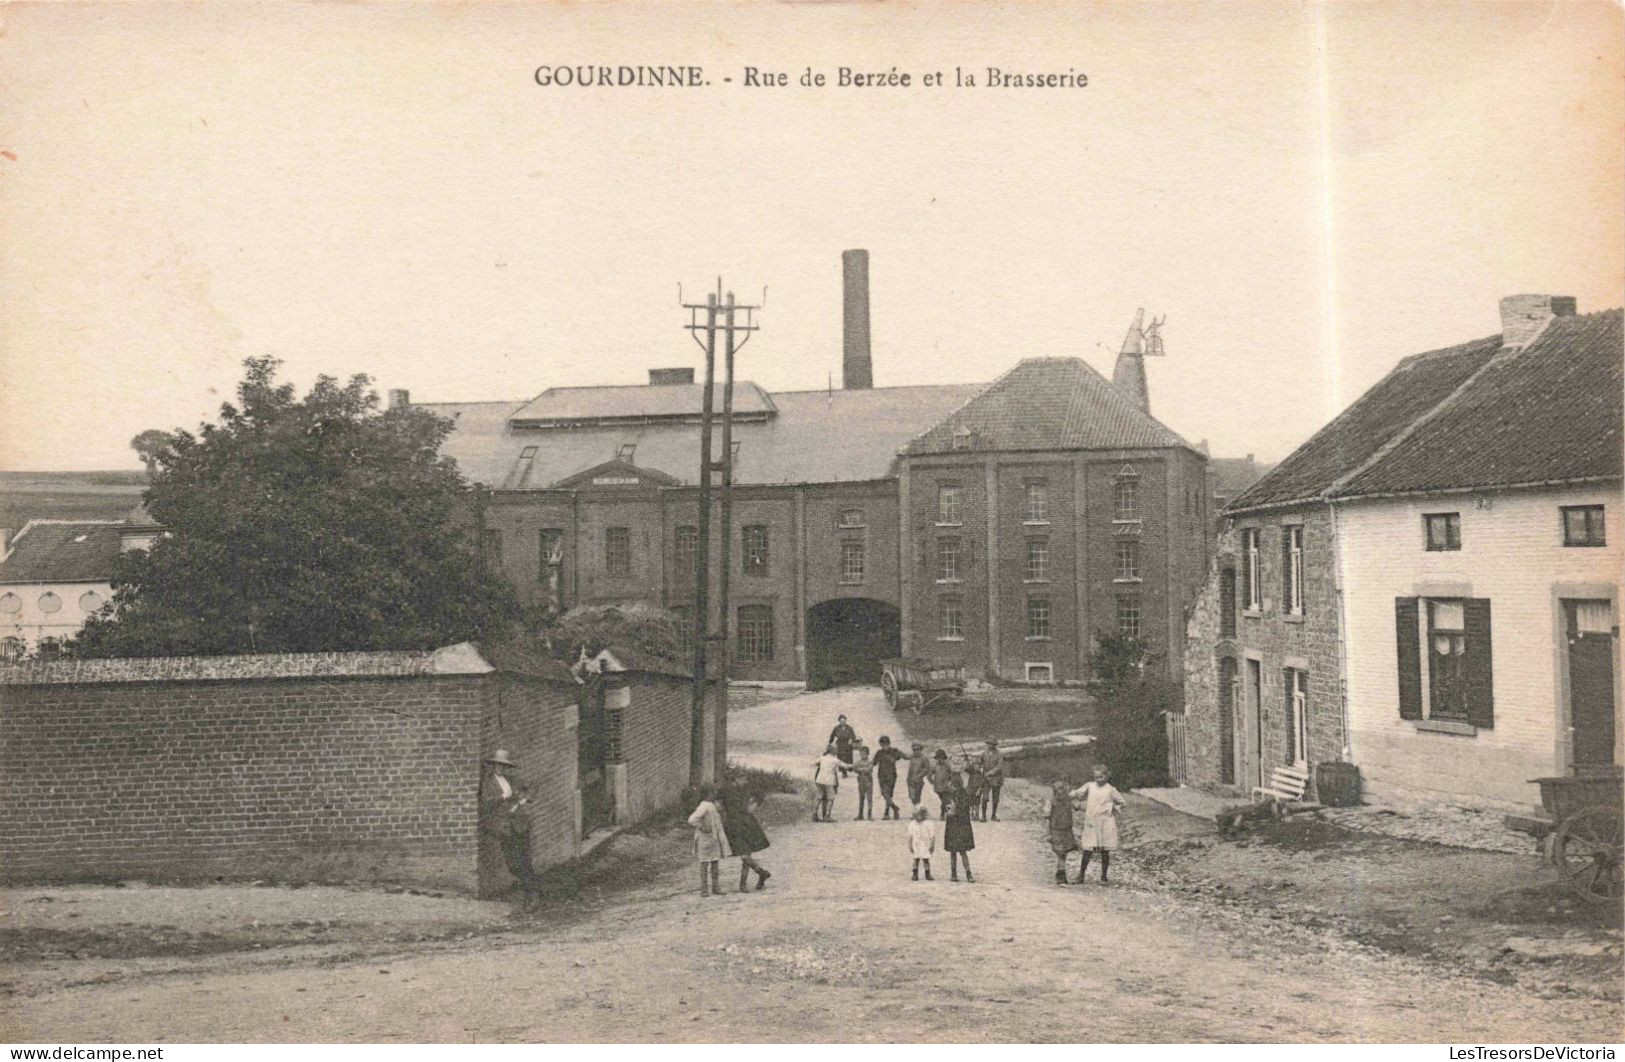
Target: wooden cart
<point>1588,813</point>
<point>917,683</point>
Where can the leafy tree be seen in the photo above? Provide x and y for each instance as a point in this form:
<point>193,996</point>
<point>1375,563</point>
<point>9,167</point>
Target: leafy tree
<point>149,445</point>
<point>303,525</point>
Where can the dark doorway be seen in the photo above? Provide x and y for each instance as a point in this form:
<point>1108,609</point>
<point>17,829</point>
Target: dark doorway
<point>848,638</point>
<point>1590,627</point>
<point>592,752</point>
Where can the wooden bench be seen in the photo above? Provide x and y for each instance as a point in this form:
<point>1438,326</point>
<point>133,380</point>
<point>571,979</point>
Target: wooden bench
<point>1286,784</point>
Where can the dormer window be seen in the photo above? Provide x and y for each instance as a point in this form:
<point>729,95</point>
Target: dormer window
<point>964,438</point>
<point>527,454</point>
<point>626,452</point>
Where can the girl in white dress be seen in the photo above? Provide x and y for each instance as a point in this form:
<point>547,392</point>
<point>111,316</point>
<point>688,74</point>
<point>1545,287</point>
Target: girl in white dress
<point>1100,800</point>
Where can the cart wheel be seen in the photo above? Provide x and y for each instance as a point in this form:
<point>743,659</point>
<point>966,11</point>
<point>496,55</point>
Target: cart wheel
<point>1589,849</point>
<point>889,685</point>
<point>912,699</point>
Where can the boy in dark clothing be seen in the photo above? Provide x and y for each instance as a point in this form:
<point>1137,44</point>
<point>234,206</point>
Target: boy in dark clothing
<point>886,771</point>
<point>944,779</point>
<point>864,768</point>
<point>919,769</point>
<point>976,787</point>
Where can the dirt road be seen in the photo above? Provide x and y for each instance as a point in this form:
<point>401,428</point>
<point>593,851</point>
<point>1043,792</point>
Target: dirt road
<point>843,946</point>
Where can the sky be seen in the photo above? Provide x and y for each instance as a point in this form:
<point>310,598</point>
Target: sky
<point>1307,191</point>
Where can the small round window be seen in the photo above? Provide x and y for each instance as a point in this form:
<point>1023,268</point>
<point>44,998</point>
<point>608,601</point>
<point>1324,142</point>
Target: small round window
<point>90,601</point>
<point>49,602</point>
<point>10,603</point>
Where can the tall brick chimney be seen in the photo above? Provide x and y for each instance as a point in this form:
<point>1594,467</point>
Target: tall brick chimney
<point>857,370</point>
<point>1523,317</point>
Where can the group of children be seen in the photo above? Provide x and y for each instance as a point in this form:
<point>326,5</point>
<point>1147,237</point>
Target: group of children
<point>1099,801</point>
<point>725,825</point>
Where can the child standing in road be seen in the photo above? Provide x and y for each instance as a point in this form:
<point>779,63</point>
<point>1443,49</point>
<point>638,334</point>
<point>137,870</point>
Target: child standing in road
<point>958,837</point>
<point>827,777</point>
<point>710,841</point>
<point>976,786</point>
<point>1100,803</point>
<point>864,768</point>
<point>1061,840</point>
<point>922,840</point>
<point>886,773</point>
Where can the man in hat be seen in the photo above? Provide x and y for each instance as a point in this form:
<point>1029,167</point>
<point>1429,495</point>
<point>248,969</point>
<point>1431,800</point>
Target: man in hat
<point>993,771</point>
<point>919,768</point>
<point>944,779</point>
<point>843,737</point>
<point>505,820</point>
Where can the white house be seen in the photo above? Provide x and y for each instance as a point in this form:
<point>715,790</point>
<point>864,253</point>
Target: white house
<point>1464,569</point>
<point>56,573</point>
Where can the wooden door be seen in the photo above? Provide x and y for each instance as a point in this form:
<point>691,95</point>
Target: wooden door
<point>1255,722</point>
<point>1591,641</point>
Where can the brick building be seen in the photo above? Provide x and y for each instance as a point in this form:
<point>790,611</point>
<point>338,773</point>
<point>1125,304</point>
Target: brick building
<point>321,766</point>
<point>1429,586</point>
<point>840,553</point>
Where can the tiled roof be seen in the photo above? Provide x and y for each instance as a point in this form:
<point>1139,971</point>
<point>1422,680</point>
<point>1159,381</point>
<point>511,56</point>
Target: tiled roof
<point>63,551</point>
<point>1550,412</point>
<point>1468,416</point>
<point>1232,475</point>
<point>1049,404</point>
<point>816,437</point>
<point>563,405</point>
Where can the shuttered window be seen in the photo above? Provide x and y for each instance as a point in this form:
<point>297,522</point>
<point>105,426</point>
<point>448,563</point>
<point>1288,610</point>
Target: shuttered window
<point>1229,683</point>
<point>1227,603</point>
<point>1455,647</point>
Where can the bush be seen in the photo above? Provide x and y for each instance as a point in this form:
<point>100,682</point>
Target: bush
<point>759,783</point>
<point>1133,698</point>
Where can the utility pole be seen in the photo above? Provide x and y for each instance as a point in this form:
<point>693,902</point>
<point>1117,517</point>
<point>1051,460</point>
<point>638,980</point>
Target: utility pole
<point>733,329</point>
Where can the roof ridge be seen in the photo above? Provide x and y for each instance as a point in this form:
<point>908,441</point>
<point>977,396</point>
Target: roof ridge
<point>860,390</point>
<point>959,408</point>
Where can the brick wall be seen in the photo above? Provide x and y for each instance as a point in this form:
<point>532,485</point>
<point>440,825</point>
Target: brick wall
<point>1512,554</point>
<point>649,723</point>
<point>1277,641</point>
<point>352,766</point>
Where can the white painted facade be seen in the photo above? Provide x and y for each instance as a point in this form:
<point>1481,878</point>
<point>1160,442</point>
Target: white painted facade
<point>1512,553</point>
<point>34,611</point>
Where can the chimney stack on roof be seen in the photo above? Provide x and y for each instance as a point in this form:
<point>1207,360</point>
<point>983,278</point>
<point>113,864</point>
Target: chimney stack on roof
<point>670,377</point>
<point>399,399</point>
<point>857,369</point>
<point>1523,317</point>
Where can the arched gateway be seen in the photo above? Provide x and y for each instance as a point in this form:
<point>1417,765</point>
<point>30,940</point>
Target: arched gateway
<point>847,638</point>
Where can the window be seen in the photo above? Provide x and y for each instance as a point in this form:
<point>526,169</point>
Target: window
<point>492,542</point>
<point>685,550</point>
<point>1582,526</point>
<point>964,439</point>
<point>1296,682</point>
<point>950,618</point>
<point>1041,674</point>
<point>1453,651</point>
<point>683,618</point>
<point>12,648</point>
<point>618,551</point>
<point>1128,617</point>
<point>1038,617</point>
<point>755,637</point>
<point>1037,503</point>
<point>1128,499</point>
<point>1128,561</point>
<point>1037,560</point>
<point>1443,530</point>
<point>948,504</point>
<point>1227,603</point>
<point>947,560</point>
<point>10,603</point>
<point>1252,585</point>
<point>851,562</point>
<point>1292,569</point>
<point>90,601</point>
<point>754,539</point>
<point>850,518</point>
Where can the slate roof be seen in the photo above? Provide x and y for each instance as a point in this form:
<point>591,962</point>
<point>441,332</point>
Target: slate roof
<point>1469,416</point>
<point>564,405</point>
<point>815,437</point>
<point>63,551</point>
<point>1050,404</point>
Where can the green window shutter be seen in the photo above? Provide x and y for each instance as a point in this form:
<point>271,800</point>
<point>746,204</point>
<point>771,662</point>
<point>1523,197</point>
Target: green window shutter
<point>1477,665</point>
<point>1408,638</point>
